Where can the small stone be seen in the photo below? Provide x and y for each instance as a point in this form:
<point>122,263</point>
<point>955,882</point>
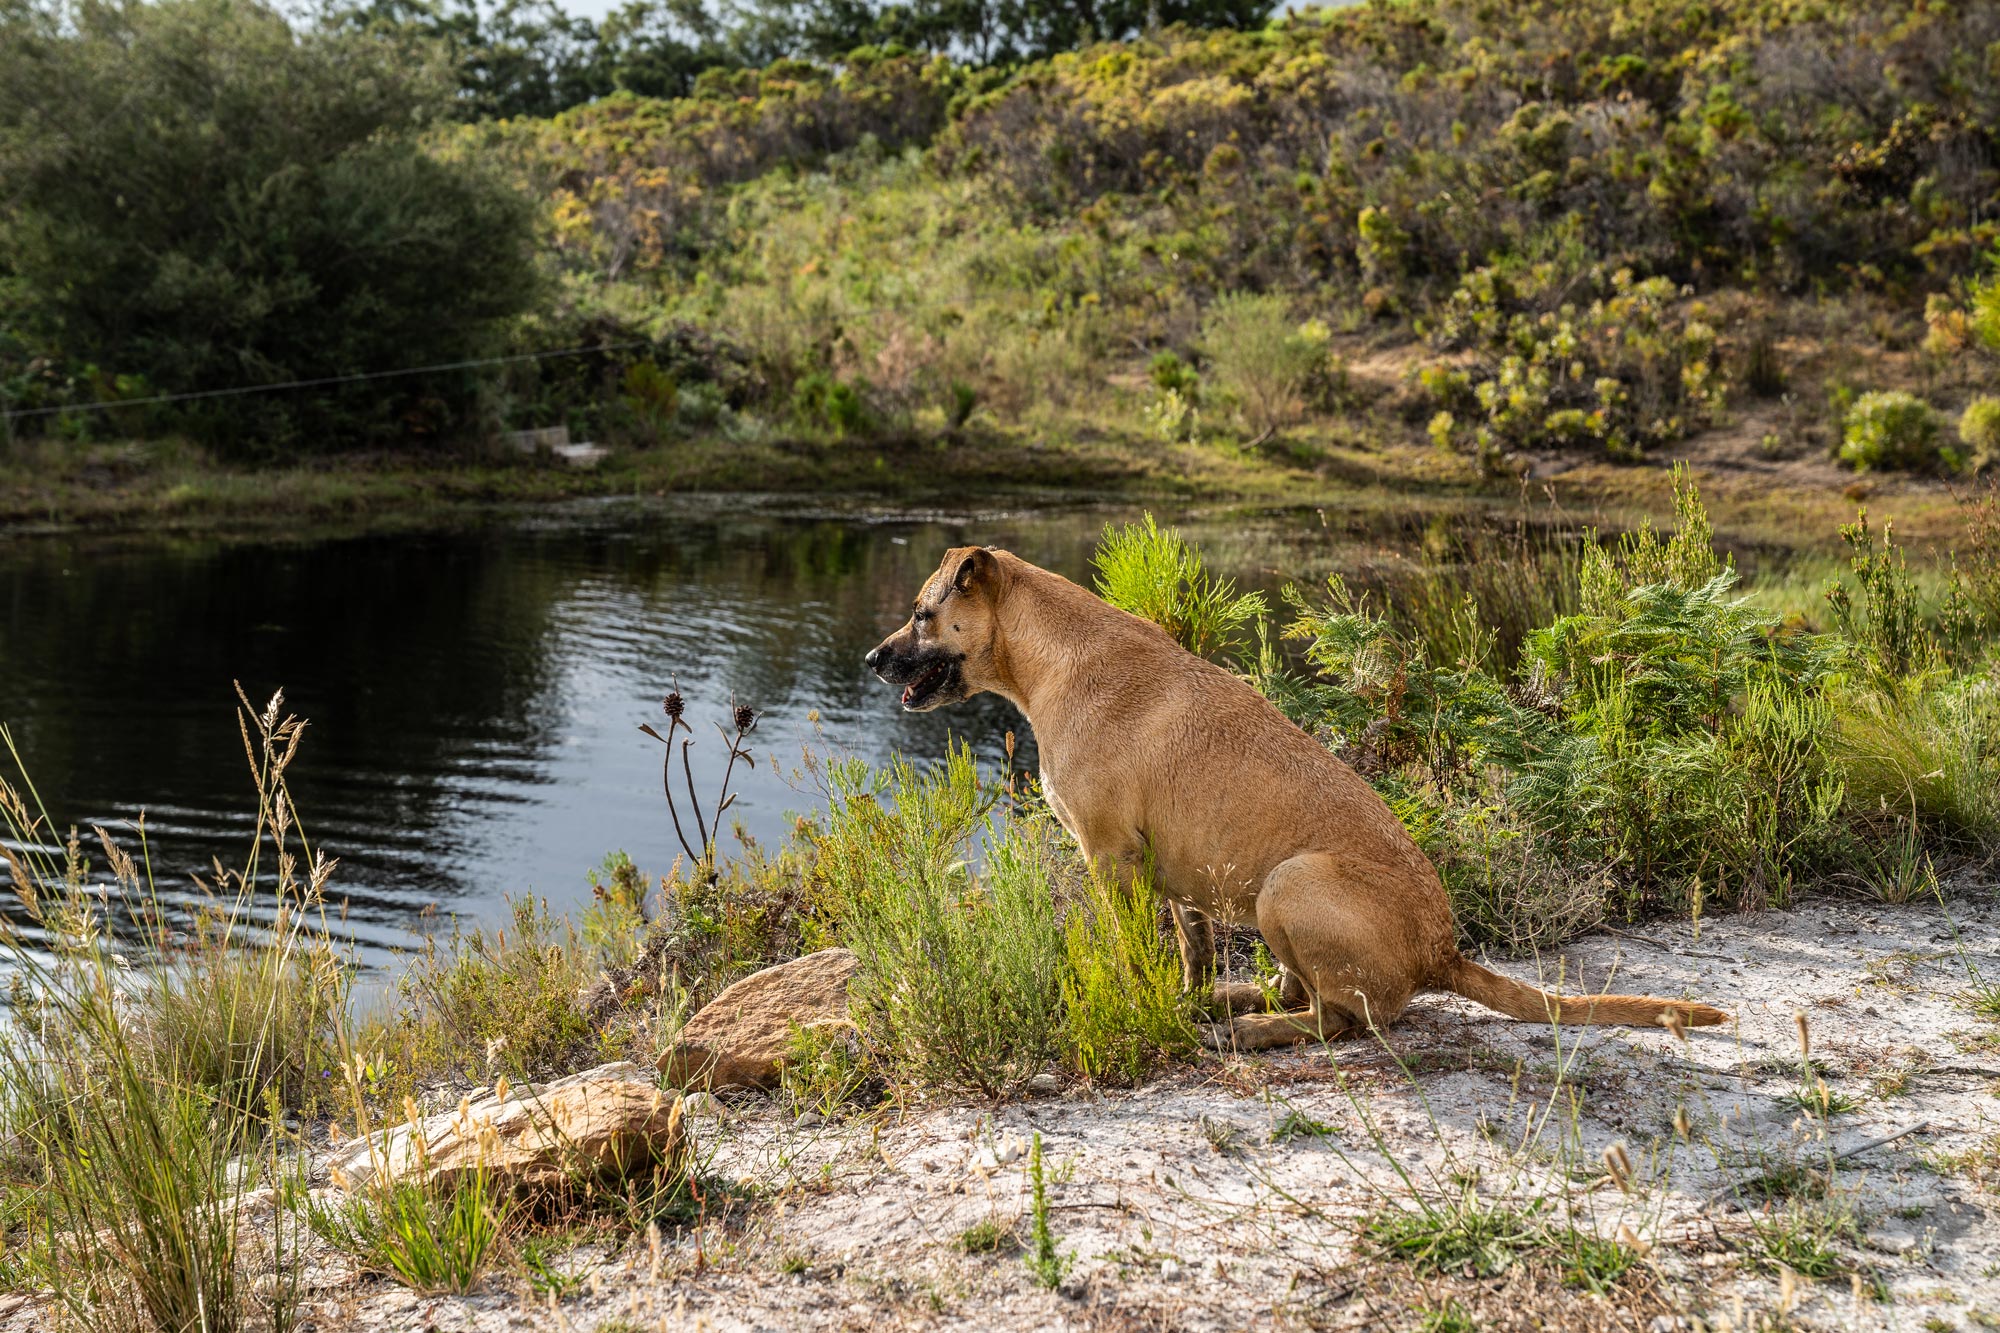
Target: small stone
<point>703,1104</point>
<point>1044,1085</point>
<point>1666,1323</point>
<point>996,1155</point>
<point>1170,1270</point>
<point>810,1120</point>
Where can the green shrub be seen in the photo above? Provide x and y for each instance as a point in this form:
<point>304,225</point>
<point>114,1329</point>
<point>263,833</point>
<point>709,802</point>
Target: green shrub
<point>1695,745</point>
<point>1934,757</point>
<point>1891,430</point>
<point>1979,432</point>
<point>1508,886</point>
<point>1124,1008</point>
<point>1881,612</point>
<point>960,974</point>
<point>833,405</point>
<point>1263,358</point>
<point>824,1069</point>
<point>481,1002</point>
<point>1377,695</point>
<point>1157,576</point>
<point>1625,373</point>
<point>1662,741</point>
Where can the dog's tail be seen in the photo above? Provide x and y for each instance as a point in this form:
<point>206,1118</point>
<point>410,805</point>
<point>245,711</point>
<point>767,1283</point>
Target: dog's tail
<point>1517,999</point>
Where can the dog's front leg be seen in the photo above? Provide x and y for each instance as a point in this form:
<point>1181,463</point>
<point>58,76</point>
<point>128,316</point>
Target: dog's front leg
<point>1195,934</point>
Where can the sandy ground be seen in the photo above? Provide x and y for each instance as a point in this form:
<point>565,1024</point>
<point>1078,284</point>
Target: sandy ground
<point>1232,1194</point>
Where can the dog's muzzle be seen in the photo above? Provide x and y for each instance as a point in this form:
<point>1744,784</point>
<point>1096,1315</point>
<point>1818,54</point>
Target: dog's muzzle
<point>928,678</point>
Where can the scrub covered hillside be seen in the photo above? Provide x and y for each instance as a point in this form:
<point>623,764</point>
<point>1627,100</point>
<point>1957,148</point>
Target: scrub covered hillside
<point>1427,238</point>
<point>1574,227</point>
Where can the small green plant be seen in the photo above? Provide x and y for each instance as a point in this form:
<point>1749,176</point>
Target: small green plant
<point>1044,1260</point>
<point>1463,1234</point>
<point>1156,575</point>
<point>479,1002</point>
<point>1820,1101</point>
<point>537,1256</point>
<point>1892,429</point>
<point>1451,1317</point>
<point>823,1070</point>
<point>1224,1137</point>
<point>1882,612</point>
<point>431,1238</point>
<point>1802,1237</point>
<point>1296,1124</point>
<point>987,1236</point>
<point>793,1262</point>
<point>1593,1264</point>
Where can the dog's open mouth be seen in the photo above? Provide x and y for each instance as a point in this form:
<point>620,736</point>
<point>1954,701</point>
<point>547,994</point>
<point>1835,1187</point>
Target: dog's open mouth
<point>926,686</point>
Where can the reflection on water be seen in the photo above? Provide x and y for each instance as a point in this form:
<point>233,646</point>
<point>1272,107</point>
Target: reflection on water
<point>474,694</point>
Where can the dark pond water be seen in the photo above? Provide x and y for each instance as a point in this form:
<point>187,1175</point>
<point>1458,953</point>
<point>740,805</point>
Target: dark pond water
<point>474,694</point>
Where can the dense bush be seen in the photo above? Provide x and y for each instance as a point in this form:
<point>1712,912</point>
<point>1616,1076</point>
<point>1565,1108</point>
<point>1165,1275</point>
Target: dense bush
<point>1627,372</point>
<point>1979,432</point>
<point>1891,429</point>
<point>200,198</point>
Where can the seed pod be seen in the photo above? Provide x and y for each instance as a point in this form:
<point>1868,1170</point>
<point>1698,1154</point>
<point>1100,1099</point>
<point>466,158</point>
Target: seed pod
<point>673,705</point>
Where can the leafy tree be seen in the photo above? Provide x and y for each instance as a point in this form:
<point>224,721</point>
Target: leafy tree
<point>194,193</point>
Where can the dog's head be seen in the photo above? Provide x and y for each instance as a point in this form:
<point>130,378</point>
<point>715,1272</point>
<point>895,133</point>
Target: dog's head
<point>944,651</point>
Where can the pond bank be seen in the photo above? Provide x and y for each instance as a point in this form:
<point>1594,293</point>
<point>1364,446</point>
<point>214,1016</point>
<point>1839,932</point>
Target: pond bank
<point>1792,504</point>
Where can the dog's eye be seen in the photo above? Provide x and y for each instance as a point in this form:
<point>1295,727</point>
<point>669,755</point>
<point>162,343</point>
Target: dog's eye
<point>924,617</point>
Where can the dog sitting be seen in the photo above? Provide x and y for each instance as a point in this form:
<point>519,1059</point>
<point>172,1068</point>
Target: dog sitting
<point>1152,756</point>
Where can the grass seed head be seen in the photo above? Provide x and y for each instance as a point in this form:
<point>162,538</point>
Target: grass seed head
<point>1805,1034</point>
<point>1619,1164</point>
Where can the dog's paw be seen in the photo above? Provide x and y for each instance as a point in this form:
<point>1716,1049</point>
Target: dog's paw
<point>1217,1036</point>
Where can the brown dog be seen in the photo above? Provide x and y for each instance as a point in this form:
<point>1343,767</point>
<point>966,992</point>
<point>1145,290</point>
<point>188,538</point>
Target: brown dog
<point>1149,752</point>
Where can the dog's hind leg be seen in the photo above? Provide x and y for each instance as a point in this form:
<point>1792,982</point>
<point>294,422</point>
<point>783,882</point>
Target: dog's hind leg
<point>1355,957</point>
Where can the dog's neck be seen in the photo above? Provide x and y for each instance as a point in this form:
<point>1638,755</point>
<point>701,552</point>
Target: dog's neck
<point>1036,654</point>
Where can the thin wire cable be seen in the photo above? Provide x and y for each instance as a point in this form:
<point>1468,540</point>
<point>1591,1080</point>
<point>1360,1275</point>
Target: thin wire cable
<point>103,404</point>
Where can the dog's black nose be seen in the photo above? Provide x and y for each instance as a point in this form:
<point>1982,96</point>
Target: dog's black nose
<point>874,656</point>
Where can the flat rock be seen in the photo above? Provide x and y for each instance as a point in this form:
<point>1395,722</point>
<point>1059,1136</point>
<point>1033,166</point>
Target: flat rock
<point>739,1038</point>
<point>601,1126</point>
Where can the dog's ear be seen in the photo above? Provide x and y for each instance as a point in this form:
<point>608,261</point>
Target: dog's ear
<point>975,568</point>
